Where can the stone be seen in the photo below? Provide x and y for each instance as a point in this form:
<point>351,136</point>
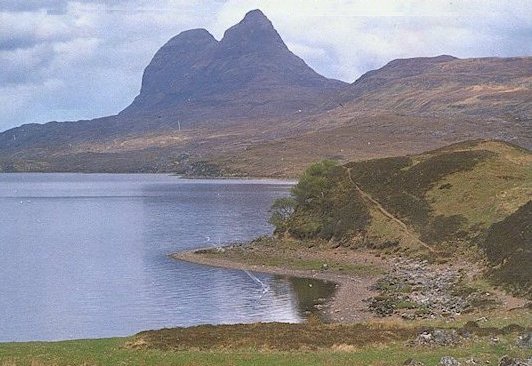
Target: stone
<point>439,337</point>
<point>443,337</point>
<point>525,340</point>
<point>510,361</point>
<point>449,361</point>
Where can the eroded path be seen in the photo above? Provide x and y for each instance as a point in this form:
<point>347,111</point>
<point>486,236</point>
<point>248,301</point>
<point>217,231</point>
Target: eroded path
<point>376,204</point>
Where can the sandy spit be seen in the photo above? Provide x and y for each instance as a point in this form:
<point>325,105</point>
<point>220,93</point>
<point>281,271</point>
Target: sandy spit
<point>346,306</point>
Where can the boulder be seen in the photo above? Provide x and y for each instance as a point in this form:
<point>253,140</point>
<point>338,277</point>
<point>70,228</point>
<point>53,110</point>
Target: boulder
<point>525,340</point>
<point>449,361</point>
<point>510,361</point>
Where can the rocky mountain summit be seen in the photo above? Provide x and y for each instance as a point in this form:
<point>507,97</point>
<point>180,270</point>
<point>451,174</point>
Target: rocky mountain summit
<point>249,73</point>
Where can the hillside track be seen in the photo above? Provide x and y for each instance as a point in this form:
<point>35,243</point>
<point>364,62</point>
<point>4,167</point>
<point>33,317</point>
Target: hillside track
<point>377,205</point>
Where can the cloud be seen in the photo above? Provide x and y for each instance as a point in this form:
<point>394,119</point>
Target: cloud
<point>361,35</point>
<point>52,6</point>
<point>68,60</point>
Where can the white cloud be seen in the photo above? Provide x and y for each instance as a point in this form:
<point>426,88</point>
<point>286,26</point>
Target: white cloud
<point>62,59</point>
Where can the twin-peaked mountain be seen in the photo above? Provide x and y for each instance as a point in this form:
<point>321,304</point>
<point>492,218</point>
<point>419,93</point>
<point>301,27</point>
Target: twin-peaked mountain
<point>249,73</point>
<point>247,105</point>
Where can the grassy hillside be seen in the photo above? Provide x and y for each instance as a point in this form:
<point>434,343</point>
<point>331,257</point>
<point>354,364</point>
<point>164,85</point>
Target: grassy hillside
<point>445,202</point>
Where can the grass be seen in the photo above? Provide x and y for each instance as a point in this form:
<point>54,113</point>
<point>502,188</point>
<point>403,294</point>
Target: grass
<point>378,343</point>
<point>508,246</point>
<point>293,255</point>
<point>444,194</point>
<point>480,203</point>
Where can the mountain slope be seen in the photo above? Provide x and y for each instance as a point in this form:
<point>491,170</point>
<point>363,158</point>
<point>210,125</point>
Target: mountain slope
<point>246,105</point>
<point>486,87</point>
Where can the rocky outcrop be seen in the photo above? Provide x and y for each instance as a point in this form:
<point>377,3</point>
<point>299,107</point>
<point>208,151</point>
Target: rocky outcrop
<point>511,361</point>
<point>415,289</point>
<point>439,337</point>
<point>525,340</point>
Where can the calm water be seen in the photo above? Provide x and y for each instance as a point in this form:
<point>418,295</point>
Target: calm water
<point>85,256</point>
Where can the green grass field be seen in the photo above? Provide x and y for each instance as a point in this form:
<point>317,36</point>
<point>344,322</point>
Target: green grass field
<point>378,343</point>
<point>112,352</point>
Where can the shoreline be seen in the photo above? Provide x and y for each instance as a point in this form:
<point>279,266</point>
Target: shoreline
<point>284,180</point>
<point>345,306</point>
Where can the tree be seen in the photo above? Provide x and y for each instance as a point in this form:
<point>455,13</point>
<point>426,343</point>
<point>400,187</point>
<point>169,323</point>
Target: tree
<point>314,183</point>
<point>309,194</point>
<point>281,211</point>
<point>323,204</point>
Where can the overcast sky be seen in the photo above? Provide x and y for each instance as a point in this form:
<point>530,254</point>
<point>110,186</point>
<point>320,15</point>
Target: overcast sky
<point>68,60</point>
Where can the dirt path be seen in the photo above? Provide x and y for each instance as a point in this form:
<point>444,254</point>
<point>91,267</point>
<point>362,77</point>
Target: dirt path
<point>376,204</point>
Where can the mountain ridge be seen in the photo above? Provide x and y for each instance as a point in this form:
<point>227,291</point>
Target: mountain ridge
<point>246,105</point>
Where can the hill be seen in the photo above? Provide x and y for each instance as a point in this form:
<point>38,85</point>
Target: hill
<point>446,203</point>
<point>246,105</point>
<point>446,85</point>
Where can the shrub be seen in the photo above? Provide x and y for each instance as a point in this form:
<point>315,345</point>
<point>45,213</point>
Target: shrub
<point>322,205</point>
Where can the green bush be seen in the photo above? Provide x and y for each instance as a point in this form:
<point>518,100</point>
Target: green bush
<point>508,248</point>
<point>281,211</point>
<point>322,205</point>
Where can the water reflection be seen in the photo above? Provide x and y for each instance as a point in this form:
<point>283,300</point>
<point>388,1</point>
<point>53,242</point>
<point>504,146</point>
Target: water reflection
<point>309,294</point>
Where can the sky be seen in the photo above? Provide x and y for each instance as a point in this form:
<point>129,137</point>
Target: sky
<point>69,60</point>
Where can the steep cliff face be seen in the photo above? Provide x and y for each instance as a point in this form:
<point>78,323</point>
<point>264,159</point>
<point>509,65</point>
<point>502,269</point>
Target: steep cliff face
<point>173,70</point>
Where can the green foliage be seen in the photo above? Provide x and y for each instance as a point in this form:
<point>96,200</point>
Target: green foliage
<point>281,211</point>
<point>508,248</point>
<point>322,205</point>
<point>314,183</point>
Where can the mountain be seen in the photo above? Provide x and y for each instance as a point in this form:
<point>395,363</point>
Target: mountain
<point>446,85</point>
<point>249,73</point>
<point>194,79</point>
<point>406,107</point>
<point>246,105</point>
<point>453,202</point>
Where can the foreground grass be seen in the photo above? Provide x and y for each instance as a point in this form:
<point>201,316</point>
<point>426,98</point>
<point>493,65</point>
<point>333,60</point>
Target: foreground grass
<point>112,352</point>
<point>378,343</point>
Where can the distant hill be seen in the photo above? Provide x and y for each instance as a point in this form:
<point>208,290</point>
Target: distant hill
<point>246,105</point>
<point>449,202</point>
<point>445,85</point>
